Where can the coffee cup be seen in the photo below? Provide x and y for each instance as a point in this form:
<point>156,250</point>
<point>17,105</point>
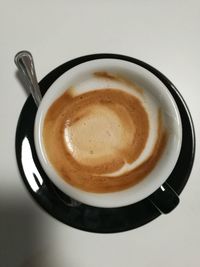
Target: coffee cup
<point>108,134</point>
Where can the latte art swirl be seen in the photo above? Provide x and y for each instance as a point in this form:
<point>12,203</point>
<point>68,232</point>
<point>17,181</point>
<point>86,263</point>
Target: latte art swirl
<point>94,139</point>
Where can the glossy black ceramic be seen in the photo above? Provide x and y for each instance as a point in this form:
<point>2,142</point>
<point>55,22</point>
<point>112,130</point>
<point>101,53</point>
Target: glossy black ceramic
<point>81,216</point>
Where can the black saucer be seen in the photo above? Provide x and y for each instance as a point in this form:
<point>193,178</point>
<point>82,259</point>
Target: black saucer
<point>78,215</point>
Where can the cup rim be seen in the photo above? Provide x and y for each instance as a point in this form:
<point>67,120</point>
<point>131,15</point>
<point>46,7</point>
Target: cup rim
<point>74,192</point>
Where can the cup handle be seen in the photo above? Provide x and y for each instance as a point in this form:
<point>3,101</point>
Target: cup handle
<point>165,199</point>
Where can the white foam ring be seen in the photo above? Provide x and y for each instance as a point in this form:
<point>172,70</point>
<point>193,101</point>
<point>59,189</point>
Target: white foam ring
<point>149,102</point>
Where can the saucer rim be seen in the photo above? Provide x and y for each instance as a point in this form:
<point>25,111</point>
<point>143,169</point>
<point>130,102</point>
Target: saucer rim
<point>45,83</point>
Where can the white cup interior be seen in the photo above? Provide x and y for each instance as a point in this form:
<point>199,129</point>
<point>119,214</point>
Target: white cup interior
<point>147,81</point>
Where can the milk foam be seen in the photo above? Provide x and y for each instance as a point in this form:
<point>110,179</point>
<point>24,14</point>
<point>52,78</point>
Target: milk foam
<point>96,135</point>
<point>91,83</point>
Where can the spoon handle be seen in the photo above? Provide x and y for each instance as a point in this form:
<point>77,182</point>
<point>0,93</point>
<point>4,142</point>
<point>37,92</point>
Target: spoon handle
<point>25,64</point>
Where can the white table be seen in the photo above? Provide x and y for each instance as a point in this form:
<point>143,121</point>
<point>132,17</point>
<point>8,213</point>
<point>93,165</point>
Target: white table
<point>166,34</point>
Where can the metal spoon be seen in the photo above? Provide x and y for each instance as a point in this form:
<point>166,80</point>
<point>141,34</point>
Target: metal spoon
<point>25,65</point>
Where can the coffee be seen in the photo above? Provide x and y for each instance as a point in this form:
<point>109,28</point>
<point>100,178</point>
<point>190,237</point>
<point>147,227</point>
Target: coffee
<point>105,138</point>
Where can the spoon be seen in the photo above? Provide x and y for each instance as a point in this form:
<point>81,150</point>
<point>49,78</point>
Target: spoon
<point>25,65</point>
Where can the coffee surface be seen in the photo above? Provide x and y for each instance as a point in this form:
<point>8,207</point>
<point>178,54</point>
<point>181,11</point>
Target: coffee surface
<point>89,137</point>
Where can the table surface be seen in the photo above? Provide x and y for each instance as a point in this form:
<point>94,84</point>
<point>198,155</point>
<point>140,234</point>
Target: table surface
<point>164,34</point>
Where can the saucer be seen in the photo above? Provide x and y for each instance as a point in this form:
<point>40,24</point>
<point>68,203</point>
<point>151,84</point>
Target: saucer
<point>72,212</point>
